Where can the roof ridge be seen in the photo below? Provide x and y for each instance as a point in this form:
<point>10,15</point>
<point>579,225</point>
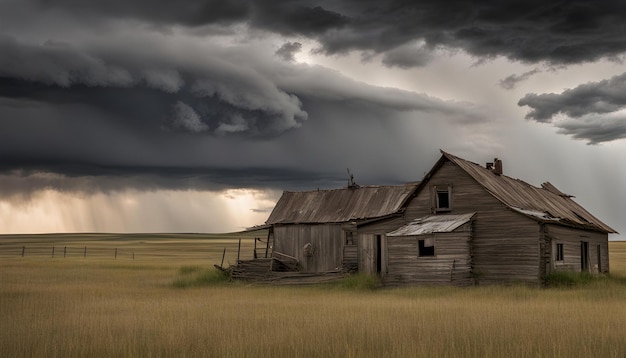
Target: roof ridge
<point>347,188</point>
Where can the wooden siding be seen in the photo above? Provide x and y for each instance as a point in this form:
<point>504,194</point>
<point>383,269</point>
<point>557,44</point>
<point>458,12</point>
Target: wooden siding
<point>367,253</point>
<point>326,241</point>
<point>451,265</point>
<point>350,261</point>
<point>505,245</point>
<point>571,239</point>
<point>368,245</point>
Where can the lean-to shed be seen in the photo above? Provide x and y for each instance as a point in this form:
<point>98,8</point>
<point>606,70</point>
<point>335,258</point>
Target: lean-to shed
<point>450,263</point>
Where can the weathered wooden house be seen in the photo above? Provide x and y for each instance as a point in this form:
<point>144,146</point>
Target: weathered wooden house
<point>462,224</point>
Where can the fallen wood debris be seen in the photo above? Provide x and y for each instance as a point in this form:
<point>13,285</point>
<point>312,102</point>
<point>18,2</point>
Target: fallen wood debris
<point>278,272</point>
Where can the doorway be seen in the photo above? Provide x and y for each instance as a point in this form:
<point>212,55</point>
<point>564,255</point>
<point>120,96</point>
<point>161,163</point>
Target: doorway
<point>379,254</point>
<point>584,256</point>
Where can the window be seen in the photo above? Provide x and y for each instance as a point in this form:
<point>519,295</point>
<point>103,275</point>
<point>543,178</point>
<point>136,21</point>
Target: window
<point>442,199</point>
<point>350,238</point>
<point>559,253</point>
<point>426,247</point>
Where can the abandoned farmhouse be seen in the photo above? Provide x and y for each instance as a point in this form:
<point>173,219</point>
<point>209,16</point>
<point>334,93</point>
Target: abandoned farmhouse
<point>463,224</point>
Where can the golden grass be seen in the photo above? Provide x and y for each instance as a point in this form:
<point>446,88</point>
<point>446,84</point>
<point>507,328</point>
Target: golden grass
<point>78,307</point>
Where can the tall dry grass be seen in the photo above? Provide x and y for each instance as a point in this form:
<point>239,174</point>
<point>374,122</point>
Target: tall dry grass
<point>81,308</point>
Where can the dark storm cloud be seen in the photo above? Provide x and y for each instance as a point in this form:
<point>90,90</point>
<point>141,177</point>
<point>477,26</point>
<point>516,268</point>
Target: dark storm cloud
<point>407,56</point>
<point>189,12</point>
<point>87,178</point>
<point>595,130</point>
<point>288,50</point>
<point>530,31</point>
<point>125,113</point>
<point>296,17</point>
<point>592,109</point>
<point>226,98</point>
<point>591,98</point>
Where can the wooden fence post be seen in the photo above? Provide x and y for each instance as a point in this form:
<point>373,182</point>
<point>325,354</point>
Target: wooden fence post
<point>64,251</point>
<point>116,253</point>
<point>238,250</point>
<point>52,251</point>
<point>85,252</point>
<point>23,250</point>
<point>133,255</point>
<point>223,254</point>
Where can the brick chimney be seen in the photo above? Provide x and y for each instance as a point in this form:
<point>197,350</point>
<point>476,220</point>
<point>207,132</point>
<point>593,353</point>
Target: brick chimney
<point>497,166</point>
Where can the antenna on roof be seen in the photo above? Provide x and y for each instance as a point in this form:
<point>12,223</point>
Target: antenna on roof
<point>351,183</point>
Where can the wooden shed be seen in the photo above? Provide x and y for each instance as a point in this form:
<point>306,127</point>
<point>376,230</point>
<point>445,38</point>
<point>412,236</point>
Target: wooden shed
<point>320,228</point>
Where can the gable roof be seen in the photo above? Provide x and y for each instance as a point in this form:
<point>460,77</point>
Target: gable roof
<point>340,205</point>
<point>546,204</point>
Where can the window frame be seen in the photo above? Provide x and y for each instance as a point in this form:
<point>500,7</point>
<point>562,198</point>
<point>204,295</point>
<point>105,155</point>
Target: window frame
<point>435,192</point>
<point>349,238</point>
<point>423,250</point>
<point>559,252</point>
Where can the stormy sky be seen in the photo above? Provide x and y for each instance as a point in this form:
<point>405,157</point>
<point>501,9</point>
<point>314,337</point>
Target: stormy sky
<point>193,116</point>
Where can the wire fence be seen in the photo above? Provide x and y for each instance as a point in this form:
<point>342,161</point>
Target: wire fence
<point>221,252</point>
<point>65,251</point>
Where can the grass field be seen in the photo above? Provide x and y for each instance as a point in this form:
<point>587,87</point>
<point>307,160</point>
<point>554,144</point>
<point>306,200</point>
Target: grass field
<point>98,306</point>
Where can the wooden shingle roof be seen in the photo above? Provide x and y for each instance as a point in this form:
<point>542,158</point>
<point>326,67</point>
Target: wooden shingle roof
<point>340,205</point>
<point>546,204</point>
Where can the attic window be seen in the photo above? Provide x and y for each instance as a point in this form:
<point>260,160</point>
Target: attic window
<point>426,247</point>
<point>442,198</point>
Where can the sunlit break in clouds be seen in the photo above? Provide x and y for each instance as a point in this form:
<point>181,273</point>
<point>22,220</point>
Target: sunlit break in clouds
<point>194,116</point>
<point>136,211</point>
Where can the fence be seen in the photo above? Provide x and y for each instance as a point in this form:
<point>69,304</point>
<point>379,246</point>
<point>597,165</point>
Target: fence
<point>223,252</point>
<point>65,251</point>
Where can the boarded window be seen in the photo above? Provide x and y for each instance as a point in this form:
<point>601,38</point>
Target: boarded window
<point>558,254</point>
<point>426,247</point>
